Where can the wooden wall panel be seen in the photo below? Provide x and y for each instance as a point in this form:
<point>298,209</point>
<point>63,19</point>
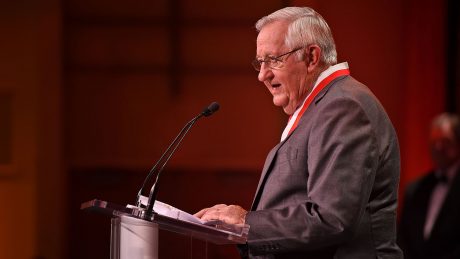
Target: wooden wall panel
<point>229,10</point>
<point>129,120</point>
<point>144,48</point>
<point>372,44</point>
<point>117,8</point>
<point>20,82</point>
<point>5,129</point>
<point>117,120</point>
<point>240,134</point>
<point>217,49</point>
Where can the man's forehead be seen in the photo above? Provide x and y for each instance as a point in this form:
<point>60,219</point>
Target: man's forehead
<point>272,35</point>
<point>271,39</point>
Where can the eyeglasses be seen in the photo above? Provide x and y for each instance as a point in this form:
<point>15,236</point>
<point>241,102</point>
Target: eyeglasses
<point>272,62</point>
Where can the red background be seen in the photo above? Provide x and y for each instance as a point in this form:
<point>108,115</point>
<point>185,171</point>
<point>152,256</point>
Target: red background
<point>99,88</point>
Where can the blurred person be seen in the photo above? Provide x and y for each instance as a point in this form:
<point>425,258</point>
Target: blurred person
<point>329,188</point>
<point>430,226</point>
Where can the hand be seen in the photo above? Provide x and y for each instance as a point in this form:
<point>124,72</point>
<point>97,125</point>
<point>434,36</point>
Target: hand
<point>230,214</point>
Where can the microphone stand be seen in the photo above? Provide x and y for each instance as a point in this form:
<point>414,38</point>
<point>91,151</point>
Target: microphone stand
<point>165,158</point>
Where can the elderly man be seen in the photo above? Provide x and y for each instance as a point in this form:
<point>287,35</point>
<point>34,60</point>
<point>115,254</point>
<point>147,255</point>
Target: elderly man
<point>430,226</point>
<point>329,188</point>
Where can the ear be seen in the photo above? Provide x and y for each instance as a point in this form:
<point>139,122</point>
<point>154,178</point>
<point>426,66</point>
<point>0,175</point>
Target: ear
<point>313,57</point>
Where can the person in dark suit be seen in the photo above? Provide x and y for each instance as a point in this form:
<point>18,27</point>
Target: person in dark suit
<point>329,188</point>
<point>430,218</point>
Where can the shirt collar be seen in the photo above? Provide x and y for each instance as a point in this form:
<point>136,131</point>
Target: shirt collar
<point>450,173</point>
<point>324,74</point>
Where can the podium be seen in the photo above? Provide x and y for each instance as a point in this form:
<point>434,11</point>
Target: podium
<point>135,236</point>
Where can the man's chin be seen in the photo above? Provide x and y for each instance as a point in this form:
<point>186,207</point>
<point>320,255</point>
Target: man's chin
<point>279,102</point>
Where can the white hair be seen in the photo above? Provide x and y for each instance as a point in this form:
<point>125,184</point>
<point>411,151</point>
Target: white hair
<point>306,27</point>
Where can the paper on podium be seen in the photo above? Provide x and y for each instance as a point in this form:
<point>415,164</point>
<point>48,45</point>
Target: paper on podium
<point>172,212</point>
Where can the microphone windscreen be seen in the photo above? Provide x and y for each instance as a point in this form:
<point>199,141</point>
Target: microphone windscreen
<point>212,108</point>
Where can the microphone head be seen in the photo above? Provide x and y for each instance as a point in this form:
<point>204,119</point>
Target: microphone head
<point>212,108</point>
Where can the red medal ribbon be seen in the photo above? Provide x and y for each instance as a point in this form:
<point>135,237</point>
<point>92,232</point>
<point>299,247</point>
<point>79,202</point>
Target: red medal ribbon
<point>311,97</point>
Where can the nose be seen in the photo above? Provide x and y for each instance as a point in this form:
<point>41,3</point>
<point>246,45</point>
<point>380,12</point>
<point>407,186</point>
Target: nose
<point>265,73</point>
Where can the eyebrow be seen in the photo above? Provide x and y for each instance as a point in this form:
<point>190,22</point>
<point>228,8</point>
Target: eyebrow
<point>266,56</point>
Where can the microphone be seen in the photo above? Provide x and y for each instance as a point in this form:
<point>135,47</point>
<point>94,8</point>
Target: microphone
<point>208,111</point>
<point>212,108</point>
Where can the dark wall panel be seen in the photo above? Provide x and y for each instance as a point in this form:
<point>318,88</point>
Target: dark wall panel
<point>5,128</point>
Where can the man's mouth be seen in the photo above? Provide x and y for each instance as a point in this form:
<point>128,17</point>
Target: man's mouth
<point>276,85</point>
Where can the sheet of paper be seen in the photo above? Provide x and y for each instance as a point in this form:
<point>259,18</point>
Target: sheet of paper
<point>165,209</point>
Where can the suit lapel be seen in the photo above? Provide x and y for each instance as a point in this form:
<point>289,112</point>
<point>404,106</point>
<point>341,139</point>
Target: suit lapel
<point>265,172</point>
<point>447,210</point>
<point>420,207</point>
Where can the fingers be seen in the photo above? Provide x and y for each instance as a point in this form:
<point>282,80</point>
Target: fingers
<point>232,214</point>
<point>211,214</point>
<point>219,206</point>
<point>200,213</point>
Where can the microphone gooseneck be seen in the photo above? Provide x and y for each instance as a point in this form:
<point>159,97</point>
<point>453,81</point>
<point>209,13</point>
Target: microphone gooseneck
<point>208,111</point>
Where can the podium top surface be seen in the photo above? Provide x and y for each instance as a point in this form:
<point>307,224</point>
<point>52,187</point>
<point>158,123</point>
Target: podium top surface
<point>217,233</point>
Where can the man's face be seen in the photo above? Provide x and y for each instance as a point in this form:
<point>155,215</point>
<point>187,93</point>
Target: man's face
<point>290,84</point>
<point>444,148</point>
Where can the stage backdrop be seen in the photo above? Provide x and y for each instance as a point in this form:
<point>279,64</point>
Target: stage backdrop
<point>95,90</point>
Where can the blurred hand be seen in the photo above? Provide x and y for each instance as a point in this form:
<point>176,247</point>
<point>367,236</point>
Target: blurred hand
<point>230,214</point>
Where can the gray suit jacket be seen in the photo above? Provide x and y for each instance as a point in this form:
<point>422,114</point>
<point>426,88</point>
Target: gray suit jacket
<point>329,190</point>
